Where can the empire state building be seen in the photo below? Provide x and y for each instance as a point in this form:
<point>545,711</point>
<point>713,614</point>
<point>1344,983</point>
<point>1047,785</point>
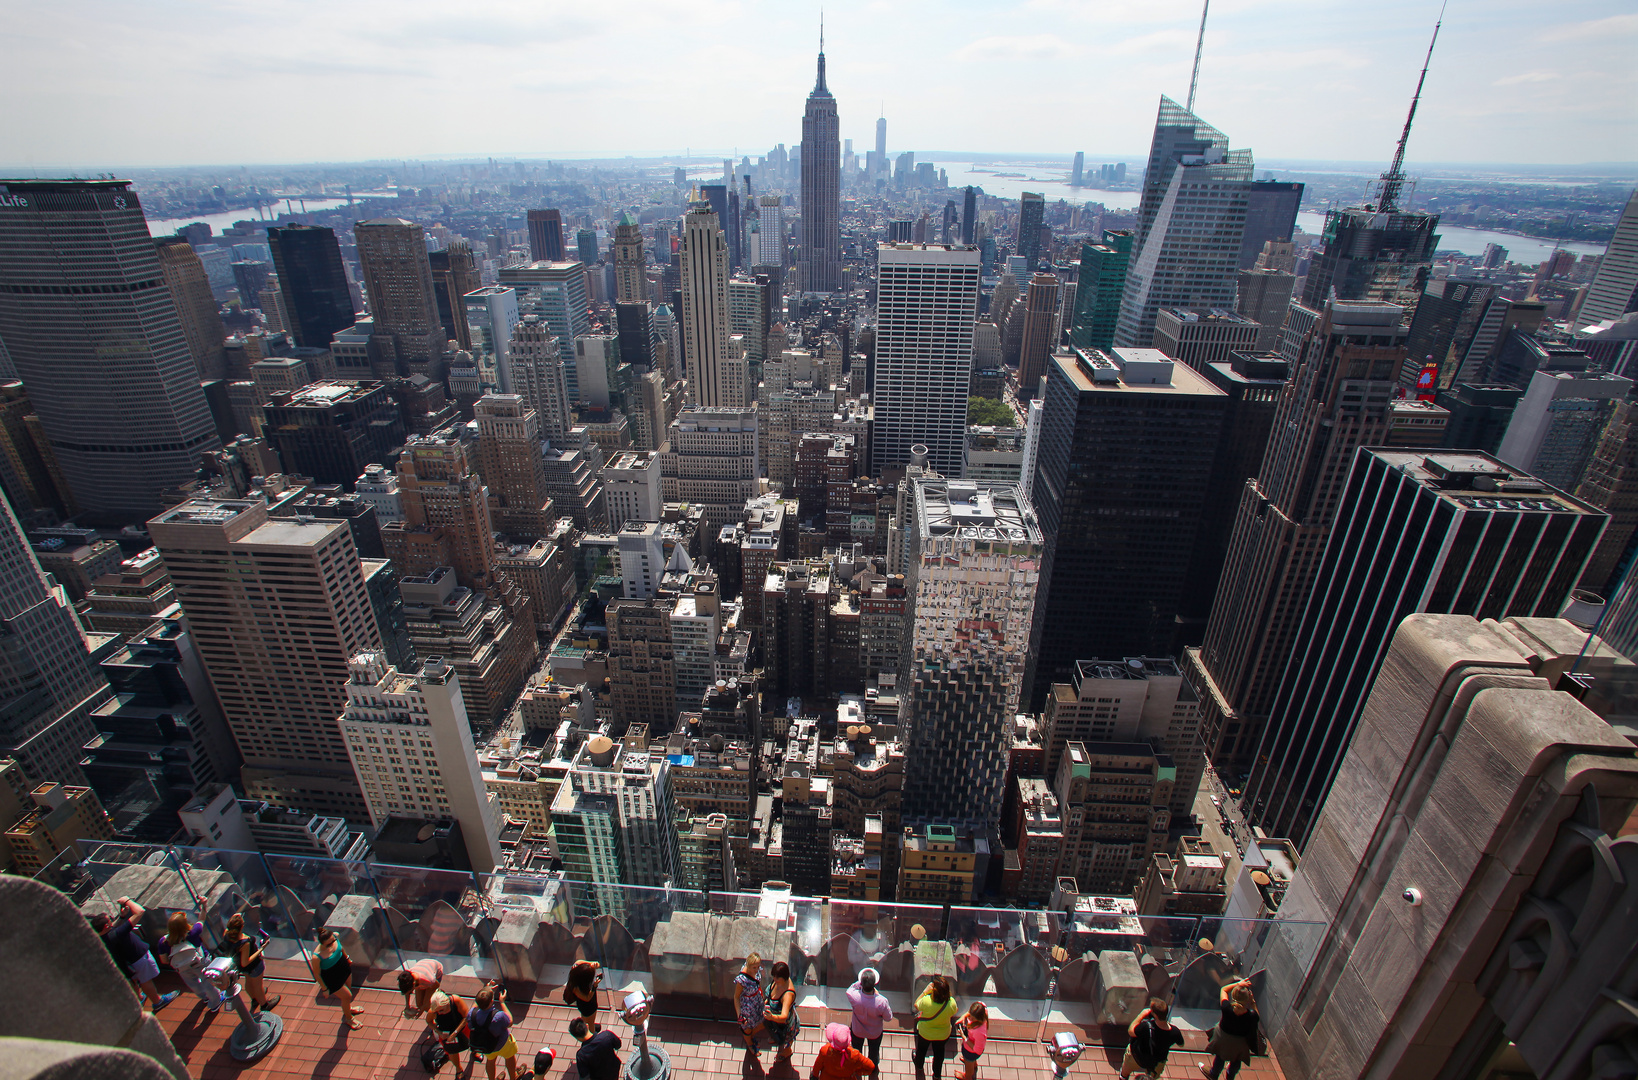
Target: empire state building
<point>821,254</point>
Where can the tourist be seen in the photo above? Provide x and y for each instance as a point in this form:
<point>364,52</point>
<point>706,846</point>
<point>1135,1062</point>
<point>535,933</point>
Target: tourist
<point>183,951</point>
<point>596,1059</point>
<point>1235,1038</point>
<point>489,1026</point>
<point>870,1012</point>
<point>935,1012</point>
<point>780,1018</point>
<point>974,1029</point>
<point>837,1059</point>
<point>581,989</point>
<point>420,978</point>
<point>130,950</point>
<point>246,952</point>
<point>748,1000</point>
<point>1152,1037</point>
<point>446,1017</point>
<point>333,970</point>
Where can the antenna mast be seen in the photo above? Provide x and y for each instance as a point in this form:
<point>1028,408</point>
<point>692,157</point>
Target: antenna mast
<point>1200,44</point>
<point>1393,181</point>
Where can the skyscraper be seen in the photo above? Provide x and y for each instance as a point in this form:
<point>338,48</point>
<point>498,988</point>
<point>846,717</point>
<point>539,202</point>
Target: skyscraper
<point>392,253</point>
<point>1098,290</point>
<point>1344,369</point>
<point>196,307</point>
<point>447,519</point>
<point>512,468</point>
<point>1271,214</point>
<point>1126,452</point>
<point>821,255</point>
<point>1614,289</point>
<point>1040,318</point>
<point>585,243</point>
<point>313,282</point>
<point>491,313</point>
<point>277,606</point>
<point>770,231</point>
<point>630,285</point>
<point>1372,254</point>
<point>47,684</point>
<point>1186,252</point>
<point>412,751</point>
<point>969,215</point>
<point>1178,134</point>
<point>1077,169</point>
<point>546,236</point>
<point>881,148</point>
<point>927,303</point>
<point>94,334</point>
<point>454,274</point>
<point>1264,296</point>
<point>974,569</point>
<point>1450,533</point>
<point>556,291</point>
<point>1031,209</point>
<point>714,379</point>
<point>713,460</point>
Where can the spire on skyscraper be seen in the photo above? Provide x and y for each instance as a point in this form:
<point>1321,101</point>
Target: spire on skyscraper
<point>819,84</point>
<point>1199,45</point>
<point>1394,179</point>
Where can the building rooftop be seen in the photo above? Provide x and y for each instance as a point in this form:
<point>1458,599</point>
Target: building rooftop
<point>1477,481</point>
<point>975,510</point>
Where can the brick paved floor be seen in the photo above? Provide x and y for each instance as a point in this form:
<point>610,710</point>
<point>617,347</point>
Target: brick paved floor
<point>317,1044</point>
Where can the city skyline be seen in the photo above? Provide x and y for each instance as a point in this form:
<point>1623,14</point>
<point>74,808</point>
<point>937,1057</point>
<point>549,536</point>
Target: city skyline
<point>388,71</point>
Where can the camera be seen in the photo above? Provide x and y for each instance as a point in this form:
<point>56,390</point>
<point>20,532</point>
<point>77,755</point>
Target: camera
<point>1412,896</point>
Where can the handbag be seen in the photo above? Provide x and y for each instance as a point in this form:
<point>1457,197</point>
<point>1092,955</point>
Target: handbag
<point>434,1058</point>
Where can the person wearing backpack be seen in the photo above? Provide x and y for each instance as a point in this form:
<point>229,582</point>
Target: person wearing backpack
<point>246,951</point>
<point>446,1017</point>
<point>183,951</point>
<point>130,950</point>
<point>488,1025</point>
<point>1152,1038</point>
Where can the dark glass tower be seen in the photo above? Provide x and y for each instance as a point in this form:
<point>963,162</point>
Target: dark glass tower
<point>546,236</point>
<point>1031,209</point>
<point>1271,214</point>
<point>1126,455</point>
<point>313,282</point>
<point>93,332</point>
<point>1449,532</point>
<point>969,215</point>
<point>1097,294</point>
<point>821,255</point>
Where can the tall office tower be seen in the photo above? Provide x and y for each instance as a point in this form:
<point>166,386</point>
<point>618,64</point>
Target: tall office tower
<point>642,665</point>
<point>1031,209</point>
<point>1126,452</point>
<point>537,376</point>
<point>1372,254</point>
<point>1493,864</point>
<point>613,818</point>
<point>1344,369</point>
<point>491,313</point>
<point>713,460</point>
<point>1178,134</point>
<point>1501,317</point>
<point>546,236</point>
<point>1186,256</point>
<point>454,274</point>
<point>705,311</point>
<point>1614,289</point>
<point>392,253</point>
<point>447,520</point>
<point>313,282</point>
<point>974,569</point>
<point>1271,216</point>
<point>1479,415</point>
<point>1557,424</point>
<point>969,215</point>
<point>585,242</point>
<point>1098,289</point>
<point>881,148</point>
<point>28,470</point>
<point>1264,296</point>
<point>821,254</point>
<point>748,315</point>
<point>1452,533</point>
<point>196,307</point>
<point>771,230</point>
<point>48,686</point>
<point>412,751</point>
<point>1448,317</point>
<point>1610,483</point>
<point>1198,338</point>
<point>630,264</point>
<point>1041,314</point>
<point>510,462</point>
<point>927,303</point>
<point>1078,167</point>
<point>330,430</point>
<point>250,278</point>
<point>277,607</point>
<point>717,196</point>
<point>634,324</point>
<point>947,222</point>
<point>94,335</point>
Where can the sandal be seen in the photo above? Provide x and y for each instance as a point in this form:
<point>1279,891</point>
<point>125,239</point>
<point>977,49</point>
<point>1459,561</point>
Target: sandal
<point>353,1021</point>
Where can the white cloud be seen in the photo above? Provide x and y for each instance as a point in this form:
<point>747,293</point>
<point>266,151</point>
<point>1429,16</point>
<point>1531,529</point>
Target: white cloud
<point>1528,77</point>
<point>1594,29</point>
<point>1037,47</point>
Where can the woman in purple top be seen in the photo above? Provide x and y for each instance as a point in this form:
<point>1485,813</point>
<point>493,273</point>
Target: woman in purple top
<point>870,1012</point>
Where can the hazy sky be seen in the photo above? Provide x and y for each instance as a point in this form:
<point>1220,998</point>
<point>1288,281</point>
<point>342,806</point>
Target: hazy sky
<point>96,84</point>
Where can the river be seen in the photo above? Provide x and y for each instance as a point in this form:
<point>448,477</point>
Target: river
<point>1528,250</point>
<point>223,221</point>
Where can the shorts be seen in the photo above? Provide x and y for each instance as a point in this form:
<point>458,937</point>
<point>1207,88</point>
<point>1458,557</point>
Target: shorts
<point>1129,1065</point>
<point>970,1055</point>
<point>146,969</point>
<point>508,1049</point>
<point>588,1009</point>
